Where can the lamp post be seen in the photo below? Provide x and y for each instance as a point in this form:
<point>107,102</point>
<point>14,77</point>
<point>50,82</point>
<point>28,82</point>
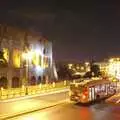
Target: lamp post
<point>27,56</point>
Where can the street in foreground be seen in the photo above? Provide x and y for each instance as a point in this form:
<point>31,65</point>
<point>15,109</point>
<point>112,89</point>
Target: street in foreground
<point>70,111</point>
<point>20,106</point>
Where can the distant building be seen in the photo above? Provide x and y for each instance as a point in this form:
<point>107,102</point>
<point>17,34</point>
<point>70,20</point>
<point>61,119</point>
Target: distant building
<point>114,67</point>
<point>78,68</point>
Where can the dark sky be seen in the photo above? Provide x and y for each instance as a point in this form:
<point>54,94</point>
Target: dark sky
<point>78,30</point>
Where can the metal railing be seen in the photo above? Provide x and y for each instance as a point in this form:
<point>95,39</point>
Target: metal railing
<point>32,90</point>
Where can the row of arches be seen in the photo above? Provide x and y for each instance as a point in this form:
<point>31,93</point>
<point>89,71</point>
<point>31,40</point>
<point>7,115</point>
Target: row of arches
<point>16,82</point>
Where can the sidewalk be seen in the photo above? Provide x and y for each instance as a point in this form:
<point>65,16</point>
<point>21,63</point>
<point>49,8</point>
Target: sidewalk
<point>31,90</point>
<point>43,93</point>
<point>19,107</point>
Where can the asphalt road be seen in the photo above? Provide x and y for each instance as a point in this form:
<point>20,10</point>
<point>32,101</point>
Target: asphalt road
<point>71,111</point>
<point>30,104</point>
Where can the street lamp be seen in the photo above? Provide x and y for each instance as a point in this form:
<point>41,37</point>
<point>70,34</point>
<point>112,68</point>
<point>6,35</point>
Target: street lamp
<point>27,56</point>
<point>87,63</point>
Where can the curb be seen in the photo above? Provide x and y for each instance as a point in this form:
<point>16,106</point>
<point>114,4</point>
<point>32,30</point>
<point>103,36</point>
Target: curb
<point>36,95</point>
<point>6,117</point>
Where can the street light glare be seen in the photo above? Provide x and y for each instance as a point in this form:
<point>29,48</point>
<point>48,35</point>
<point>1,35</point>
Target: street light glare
<point>86,63</point>
<point>111,60</point>
<point>28,55</point>
<point>39,70</point>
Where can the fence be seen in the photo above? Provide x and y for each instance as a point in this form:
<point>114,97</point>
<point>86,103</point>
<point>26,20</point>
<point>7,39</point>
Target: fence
<point>31,90</point>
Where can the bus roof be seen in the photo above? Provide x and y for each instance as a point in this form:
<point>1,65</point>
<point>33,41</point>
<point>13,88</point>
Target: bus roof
<point>92,82</point>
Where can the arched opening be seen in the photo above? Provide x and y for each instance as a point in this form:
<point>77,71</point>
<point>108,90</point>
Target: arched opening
<point>15,82</point>
<point>33,80</point>
<point>39,80</point>
<point>3,82</point>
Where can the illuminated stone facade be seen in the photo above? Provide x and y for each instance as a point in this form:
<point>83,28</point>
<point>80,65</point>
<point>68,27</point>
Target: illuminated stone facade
<point>114,67</point>
<point>28,56</point>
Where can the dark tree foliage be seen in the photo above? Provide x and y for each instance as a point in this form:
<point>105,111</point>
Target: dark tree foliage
<point>94,70</point>
<point>63,72</point>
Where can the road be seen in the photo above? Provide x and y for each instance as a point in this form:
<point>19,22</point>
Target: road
<point>71,111</point>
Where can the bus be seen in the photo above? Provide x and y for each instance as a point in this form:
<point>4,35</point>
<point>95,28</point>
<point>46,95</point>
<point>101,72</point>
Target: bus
<point>92,90</point>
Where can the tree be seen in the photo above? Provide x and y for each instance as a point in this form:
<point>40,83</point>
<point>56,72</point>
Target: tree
<point>63,72</point>
<point>87,75</point>
<point>95,70</point>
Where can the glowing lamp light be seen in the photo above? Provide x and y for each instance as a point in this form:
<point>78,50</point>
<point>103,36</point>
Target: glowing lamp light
<point>77,73</point>
<point>6,54</point>
<point>38,70</point>
<point>16,58</point>
<point>2,88</point>
<point>82,68</point>
<point>40,86</point>
<point>39,52</point>
<point>70,65</point>
<point>111,60</point>
<point>86,63</point>
<point>83,97</point>
<point>86,93</point>
<point>28,55</point>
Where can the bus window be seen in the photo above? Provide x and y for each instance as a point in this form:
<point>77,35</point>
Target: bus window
<point>93,92</point>
<point>103,88</point>
<point>97,89</point>
<point>90,94</point>
<point>107,88</point>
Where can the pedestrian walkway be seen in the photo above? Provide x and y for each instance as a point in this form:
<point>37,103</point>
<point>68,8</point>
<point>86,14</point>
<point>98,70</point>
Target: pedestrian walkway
<point>31,90</point>
<point>19,107</point>
<point>44,93</point>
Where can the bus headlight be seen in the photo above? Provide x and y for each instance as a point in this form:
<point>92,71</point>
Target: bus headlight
<point>83,97</point>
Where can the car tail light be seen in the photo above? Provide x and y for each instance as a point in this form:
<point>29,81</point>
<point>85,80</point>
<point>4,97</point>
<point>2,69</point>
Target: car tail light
<point>85,92</point>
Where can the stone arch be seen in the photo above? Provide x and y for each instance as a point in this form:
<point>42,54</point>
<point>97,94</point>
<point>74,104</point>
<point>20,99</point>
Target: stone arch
<point>3,82</point>
<point>15,82</point>
<point>33,80</point>
<point>39,80</point>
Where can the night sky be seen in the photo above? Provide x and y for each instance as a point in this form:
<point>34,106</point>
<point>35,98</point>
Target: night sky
<point>78,30</point>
